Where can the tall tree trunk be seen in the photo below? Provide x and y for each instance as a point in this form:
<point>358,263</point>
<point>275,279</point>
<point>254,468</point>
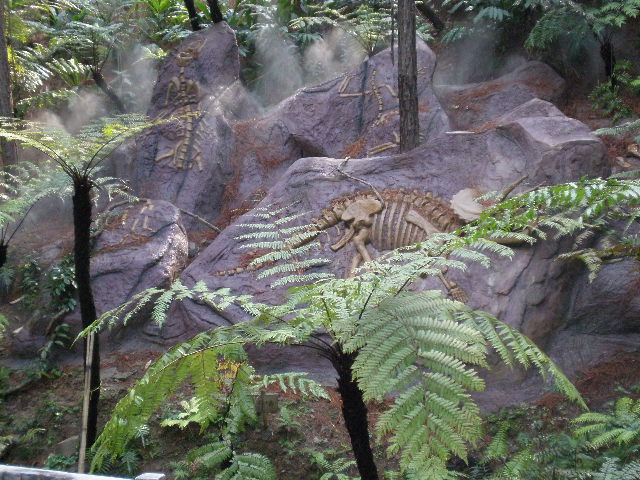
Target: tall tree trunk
<point>193,15</point>
<point>102,85</point>
<point>408,76</point>
<point>354,412</point>
<point>214,10</point>
<point>82,251</point>
<point>8,152</point>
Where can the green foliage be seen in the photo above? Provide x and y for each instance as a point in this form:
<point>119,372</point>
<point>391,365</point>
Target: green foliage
<point>295,382</point>
<point>52,290</point>
<point>30,283</point>
<point>333,469</point>
<point>164,21</point>
<point>248,466</point>
<point>7,276</point>
<point>608,96</point>
<point>610,470</point>
<point>4,323</point>
<point>370,25</point>
<point>60,337</point>
<point>59,462</point>
<point>61,284</point>
<point>434,415</point>
<point>628,128</point>
<point>620,427</point>
<point>285,244</point>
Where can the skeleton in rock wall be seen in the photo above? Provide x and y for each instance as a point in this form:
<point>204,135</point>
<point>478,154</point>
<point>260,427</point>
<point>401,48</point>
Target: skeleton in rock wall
<point>391,219</point>
<point>181,100</point>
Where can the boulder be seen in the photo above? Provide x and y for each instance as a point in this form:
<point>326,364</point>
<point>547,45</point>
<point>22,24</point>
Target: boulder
<point>474,106</point>
<point>141,246</point>
<point>353,115</point>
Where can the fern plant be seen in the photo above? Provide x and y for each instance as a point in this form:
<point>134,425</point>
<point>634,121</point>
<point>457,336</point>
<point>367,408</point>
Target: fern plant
<point>380,335</point>
<point>621,427</point>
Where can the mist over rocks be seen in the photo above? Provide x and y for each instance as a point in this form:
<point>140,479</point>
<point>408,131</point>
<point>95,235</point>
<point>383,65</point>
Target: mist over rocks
<point>471,106</point>
<point>186,161</point>
<point>334,119</point>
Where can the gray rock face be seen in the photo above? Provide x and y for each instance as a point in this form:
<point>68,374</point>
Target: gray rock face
<point>142,246</point>
<point>545,298</point>
<point>472,106</point>
<point>186,161</point>
<point>536,140</point>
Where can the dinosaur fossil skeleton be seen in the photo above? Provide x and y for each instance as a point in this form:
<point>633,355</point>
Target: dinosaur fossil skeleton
<point>403,219</point>
<point>181,100</point>
<point>390,219</point>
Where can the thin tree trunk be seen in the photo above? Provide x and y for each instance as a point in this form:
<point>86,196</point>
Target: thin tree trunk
<point>408,76</point>
<point>82,251</point>
<point>102,84</point>
<point>608,57</point>
<point>193,15</point>
<point>427,12</point>
<point>4,247</point>
<point>214,10</point>
<point>8,152</point>
<point>354,412</point>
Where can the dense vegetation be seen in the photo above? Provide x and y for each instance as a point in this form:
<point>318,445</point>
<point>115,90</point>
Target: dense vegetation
<point>60,54</point>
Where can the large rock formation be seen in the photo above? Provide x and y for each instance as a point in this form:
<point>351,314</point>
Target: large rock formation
<point>186,161</point>
<point>534,292</point>
<point>476,105</point>
<point>219,162</point>
<point>354,115</point>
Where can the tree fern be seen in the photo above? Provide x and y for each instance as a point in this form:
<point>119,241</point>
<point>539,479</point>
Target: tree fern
<point>611,470</point>
<point>248,466</point>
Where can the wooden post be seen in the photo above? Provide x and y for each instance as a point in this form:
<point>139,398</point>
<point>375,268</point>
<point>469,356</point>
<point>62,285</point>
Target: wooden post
<point>85,403</point>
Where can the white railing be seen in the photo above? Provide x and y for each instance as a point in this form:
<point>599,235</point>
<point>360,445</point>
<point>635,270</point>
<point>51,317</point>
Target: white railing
<point>10,472</point>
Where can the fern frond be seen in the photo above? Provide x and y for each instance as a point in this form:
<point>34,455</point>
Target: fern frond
<point>200,359</point>
<point>248,466</point>
<point>296,382</point>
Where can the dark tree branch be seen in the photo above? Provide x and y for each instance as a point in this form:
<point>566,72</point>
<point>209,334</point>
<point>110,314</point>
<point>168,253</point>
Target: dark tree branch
<point>8,151</point>
<point>193,15</point>
<point>408,76</point>
<point>82,261</point>
<point>354,412</point>
<point>215,12</point>
<point>102,85</point>
<point>427,12</point>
